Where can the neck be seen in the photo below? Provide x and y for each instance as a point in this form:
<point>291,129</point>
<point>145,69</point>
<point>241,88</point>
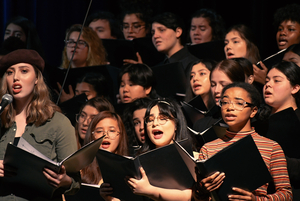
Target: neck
<point>241,128</point>
<point>283,107</point>
<point>175,49</point>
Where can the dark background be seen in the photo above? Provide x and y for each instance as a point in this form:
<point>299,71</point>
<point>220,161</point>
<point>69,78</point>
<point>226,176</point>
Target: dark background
<point>53,17</point>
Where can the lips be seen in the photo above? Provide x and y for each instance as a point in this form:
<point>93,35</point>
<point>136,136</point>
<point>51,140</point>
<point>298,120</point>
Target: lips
<point>130,37</point>
<point>157,134</point>
<point>17,88</point>
<point>230,117</point>
<point>282,41</point>
<point>230,55</point>
<point>125,98</point>
<point>105,144</point>
<point>267,94</point>
<point>196,86</point>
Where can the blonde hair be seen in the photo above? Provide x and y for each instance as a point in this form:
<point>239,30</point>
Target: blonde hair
<point>39,109</point>
<point>96,53</point>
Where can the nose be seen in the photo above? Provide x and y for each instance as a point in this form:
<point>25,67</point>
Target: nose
<point>86,121</point>
<point>125,88</point>
<point>282,32</point>
<point>155,122</point>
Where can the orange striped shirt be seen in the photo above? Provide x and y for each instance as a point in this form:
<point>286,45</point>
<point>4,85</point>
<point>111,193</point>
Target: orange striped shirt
<point>271,153</point>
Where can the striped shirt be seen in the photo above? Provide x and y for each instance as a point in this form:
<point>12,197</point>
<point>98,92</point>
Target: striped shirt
<point>271,153</point>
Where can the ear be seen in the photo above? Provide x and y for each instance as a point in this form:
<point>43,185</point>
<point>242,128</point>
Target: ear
<point>148,90</point>
<point>253,112</point>
<point>295,89</point>
<point>36,81</point>
<point>178,32</point>
<point>250,79</point>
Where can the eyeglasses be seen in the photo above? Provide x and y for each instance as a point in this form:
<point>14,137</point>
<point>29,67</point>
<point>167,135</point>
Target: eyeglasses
<point>72,43</point>
<point>161,119</point>
<point>236,104</point>
<point>81,117</point>
<point>112,134</point>
<point>134,27</point>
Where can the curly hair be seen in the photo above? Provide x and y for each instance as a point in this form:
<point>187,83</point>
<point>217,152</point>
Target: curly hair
<point>40,108</point>
<point>288,12</point>
<point>96,53</point>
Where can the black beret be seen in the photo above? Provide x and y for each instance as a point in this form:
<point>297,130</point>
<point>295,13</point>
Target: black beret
<point>21,56</point>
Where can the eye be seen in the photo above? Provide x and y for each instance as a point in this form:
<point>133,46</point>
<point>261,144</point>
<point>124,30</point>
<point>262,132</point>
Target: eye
<point>136,123</point>
<point>163,117</point>
<point>193,28</point>
<point>239,103</point>
<point>202,73</point>
<point>24,70</point>
<point>212,84</point>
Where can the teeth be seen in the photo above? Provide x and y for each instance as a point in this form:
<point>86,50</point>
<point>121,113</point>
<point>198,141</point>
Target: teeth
<point>17,87</point>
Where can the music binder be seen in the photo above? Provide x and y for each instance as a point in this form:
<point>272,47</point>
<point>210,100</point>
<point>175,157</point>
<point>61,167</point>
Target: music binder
<point>236,161</point>
<point>163,167</point>
<point>29,164</point>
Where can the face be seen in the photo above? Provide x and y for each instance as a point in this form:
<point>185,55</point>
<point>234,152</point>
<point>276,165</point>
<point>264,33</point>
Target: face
<point>161,135</point>
<point>138,122</point>
<point>218,81</point>
<point>84,119</point>
<point>238,121</point>
<point>199,79</point>
<point>166,40</point>
<point>129,91</point>
<point>293,57</point>
<point>16,31</point>
<point>201,31</point>
<point>278,91</point>
<point>133,27</point>
<point>81,53</point>
<point>111,125</point>
<point>288,33</point>
<point>86,88</point>
<point>21,80</point>
<point>235,46</point>
<point>102,28</point>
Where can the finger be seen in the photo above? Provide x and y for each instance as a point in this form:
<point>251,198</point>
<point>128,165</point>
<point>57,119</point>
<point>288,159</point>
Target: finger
<point>51,173</point>
<point>129,61</point>
<point>71,92</point>
<point>58,85</point>
<point>139,58</point>
<point>143,173</point>
<point>263,66</point>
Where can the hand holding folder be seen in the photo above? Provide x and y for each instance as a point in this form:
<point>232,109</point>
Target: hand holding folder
<point>29,164</point>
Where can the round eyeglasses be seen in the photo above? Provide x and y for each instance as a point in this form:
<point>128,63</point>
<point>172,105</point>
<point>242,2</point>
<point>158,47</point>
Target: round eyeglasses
<point>112,134</point>
<point>161,119</point>
<point>72,43</point>
<point>236,104</point>
<point>81,117</point>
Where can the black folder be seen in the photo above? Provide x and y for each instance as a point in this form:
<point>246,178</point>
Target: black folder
<point>170,79</point>
<point>163,167</point>
<point>119,49</point>
<point>213,50</point>
<point>87,192</point>
<point>241,162</point>
<point>29,164</point>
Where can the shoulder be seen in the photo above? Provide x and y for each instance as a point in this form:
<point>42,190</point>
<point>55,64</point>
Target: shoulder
<point>265,143</point>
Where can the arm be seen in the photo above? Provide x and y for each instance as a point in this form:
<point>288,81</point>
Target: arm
<point>143,187</point>
<point>65,145</point>
<point>278,171</point>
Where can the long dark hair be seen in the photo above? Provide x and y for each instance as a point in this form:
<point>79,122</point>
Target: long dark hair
<point>209,64</point>
<point>32,38</point>
<point>172,110</point>
<point>292,73</point>
<point>232,69</point>
<point>127,117</point>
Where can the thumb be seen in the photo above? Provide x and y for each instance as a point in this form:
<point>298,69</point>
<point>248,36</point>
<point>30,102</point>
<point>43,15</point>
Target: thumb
<point>143,173</point>
<point>139,58</point>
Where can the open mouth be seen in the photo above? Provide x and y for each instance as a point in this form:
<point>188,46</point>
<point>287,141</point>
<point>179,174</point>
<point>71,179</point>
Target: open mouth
<point>157,134</point>
<point>282,41</point>
<point>105,144</point>
<point>196,86</point>
<point>230,54</point>
<point>230,117</point>
<point>16,88</point>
